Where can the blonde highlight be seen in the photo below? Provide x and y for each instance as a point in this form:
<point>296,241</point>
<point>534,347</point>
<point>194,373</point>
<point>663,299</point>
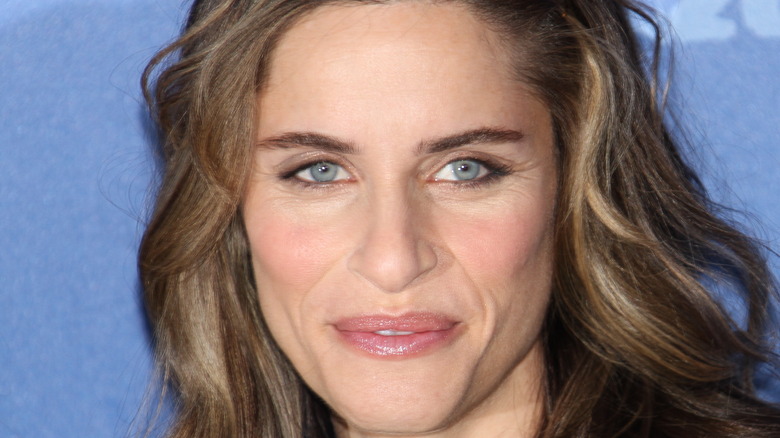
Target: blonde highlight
<point>636,344</point>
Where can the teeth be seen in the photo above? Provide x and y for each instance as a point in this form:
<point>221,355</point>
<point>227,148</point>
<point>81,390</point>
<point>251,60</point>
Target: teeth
<point>392,333</point>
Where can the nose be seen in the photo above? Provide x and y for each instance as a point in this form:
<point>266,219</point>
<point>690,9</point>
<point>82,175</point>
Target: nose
<point>393,251</point>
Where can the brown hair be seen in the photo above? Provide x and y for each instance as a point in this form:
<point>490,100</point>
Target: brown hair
<point>636,345</point>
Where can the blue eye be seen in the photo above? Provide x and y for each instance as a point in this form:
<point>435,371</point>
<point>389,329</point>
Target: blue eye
<point>461,170</point>
<point>322,172</point>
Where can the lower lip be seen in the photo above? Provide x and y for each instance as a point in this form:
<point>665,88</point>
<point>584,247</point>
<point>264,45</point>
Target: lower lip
<point>401,346</point>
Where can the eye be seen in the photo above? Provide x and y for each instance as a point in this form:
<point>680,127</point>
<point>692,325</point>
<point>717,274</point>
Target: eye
<point>322,172</point>
<point>462,170</point>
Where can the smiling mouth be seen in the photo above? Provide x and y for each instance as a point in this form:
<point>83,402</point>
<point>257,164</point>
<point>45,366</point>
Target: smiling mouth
<point>406,336</point>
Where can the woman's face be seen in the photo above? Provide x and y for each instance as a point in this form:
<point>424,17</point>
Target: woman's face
<point>400,219</point>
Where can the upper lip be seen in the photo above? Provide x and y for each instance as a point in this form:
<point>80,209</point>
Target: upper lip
<point>409,322</point>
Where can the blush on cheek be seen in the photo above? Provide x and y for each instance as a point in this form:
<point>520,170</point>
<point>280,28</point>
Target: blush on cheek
<point>286,254</point>
<point>501,245</point>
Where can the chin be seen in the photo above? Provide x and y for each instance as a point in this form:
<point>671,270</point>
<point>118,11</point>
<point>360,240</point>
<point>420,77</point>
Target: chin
<point>382,420</point>
<point>414,401</point>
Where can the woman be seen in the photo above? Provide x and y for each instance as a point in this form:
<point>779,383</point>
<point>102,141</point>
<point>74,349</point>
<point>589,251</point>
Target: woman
<point>451,218</point>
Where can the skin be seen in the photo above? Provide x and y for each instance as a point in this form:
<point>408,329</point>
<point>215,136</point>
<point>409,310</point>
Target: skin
<point>396,231</point>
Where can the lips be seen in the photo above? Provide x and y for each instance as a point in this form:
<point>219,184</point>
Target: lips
<point>408,335</point>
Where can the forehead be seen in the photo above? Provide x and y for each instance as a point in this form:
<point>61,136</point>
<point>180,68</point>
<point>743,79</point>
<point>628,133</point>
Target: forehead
<point>341,25</point>
<point>384,66</point>
<point>364,35</point>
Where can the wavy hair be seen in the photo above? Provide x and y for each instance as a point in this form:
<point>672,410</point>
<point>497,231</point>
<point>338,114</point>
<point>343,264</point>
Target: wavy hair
<point>636,345</point>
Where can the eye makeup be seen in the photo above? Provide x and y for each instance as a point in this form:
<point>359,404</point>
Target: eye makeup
<point>488,171</point>
<point>324,172</point>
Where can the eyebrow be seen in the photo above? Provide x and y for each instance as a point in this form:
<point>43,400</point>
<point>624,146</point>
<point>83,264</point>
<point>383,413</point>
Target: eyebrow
<point>484,135</point>
<point>475,136</point>
<point>308,139</point>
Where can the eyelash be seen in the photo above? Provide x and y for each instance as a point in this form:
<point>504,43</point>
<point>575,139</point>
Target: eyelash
<point>290,176</point>
<point>495,170</point>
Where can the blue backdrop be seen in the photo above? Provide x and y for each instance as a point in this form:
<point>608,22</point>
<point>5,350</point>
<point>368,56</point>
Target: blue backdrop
<point>75,171</point>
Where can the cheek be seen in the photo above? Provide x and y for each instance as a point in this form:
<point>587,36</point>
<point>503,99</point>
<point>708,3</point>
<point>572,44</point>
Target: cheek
<point>509,244</point>
<point>288,255</point>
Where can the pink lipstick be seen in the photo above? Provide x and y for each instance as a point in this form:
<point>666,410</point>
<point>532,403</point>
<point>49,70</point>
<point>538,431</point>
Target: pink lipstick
<point>408,335</point>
